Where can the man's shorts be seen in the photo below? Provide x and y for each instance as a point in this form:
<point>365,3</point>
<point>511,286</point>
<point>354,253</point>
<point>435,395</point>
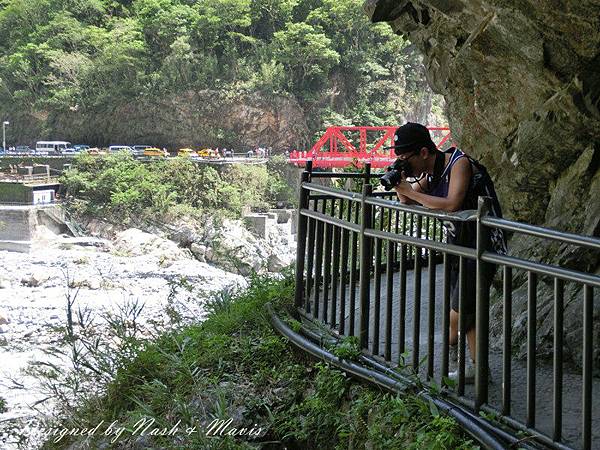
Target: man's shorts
<point>470,268</point>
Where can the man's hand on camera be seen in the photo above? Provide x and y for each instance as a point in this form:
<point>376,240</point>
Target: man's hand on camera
<point>403,187</point>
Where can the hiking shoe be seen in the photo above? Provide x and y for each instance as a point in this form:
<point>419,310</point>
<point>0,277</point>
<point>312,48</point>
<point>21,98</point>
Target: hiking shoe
<point>469,372</point>
<point>453,356</point>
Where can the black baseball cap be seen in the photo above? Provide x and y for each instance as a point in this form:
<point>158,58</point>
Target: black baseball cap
<point>411,136</point>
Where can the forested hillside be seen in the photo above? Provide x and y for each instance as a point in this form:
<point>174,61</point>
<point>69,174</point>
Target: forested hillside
<point>218,72</point>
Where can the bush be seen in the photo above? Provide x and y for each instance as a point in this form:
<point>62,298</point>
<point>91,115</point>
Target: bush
<point>119,186</point>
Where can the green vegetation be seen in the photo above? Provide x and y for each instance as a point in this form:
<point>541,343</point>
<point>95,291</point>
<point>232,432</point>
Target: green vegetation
<point>15,192</point>
<point>68,66</point>
<point>234,365</point>
<point>119,187</point>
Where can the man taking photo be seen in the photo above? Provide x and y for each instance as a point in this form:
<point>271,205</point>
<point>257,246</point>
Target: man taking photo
<point>449,181</point>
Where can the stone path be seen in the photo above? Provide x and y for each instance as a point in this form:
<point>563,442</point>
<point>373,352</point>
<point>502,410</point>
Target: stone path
<point>572,378</point>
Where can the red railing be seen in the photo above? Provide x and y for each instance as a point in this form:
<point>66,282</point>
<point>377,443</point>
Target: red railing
<point>336,149</point>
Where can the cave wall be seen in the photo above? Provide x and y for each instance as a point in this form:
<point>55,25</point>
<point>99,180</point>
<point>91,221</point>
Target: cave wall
<point>521,80</point>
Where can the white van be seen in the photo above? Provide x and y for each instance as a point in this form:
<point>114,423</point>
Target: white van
<point>51,147</point>
<point>120,148</point>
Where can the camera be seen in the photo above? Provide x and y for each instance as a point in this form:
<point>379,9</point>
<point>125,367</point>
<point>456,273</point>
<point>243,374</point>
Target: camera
<point>393,174</point>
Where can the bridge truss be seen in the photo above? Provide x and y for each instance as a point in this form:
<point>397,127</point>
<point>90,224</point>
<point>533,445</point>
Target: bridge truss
<point>347,146</point>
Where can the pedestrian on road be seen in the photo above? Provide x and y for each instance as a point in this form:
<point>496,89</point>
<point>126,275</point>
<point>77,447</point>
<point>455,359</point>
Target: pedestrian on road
<point>449,181</point>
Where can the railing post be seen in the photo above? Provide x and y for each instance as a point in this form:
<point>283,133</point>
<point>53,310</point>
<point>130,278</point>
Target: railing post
<point>588,337</point>
<point>365,262</point>
<point>417,270</point>
<point>482,324</point>
<point>302,226</point>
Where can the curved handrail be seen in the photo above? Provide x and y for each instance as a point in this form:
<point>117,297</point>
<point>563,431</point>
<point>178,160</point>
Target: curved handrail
<point>474,427</point>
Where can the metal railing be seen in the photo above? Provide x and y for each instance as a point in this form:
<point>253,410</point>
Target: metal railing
<point>24,178</point>
<point>54,202</point>
<point>354,256</point>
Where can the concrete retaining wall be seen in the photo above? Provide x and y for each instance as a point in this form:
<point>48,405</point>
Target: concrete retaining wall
<point>260,223</point>
<point>53,219</point>
<point>15,223</point>
<point>18,225</point>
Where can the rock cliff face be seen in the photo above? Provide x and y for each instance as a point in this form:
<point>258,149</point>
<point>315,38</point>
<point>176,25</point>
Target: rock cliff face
<point>521,81</point>
<point>188,119</point>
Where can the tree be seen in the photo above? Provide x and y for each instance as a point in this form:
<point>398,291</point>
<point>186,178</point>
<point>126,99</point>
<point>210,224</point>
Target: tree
<point>269,16</point>
<point>307,55</point>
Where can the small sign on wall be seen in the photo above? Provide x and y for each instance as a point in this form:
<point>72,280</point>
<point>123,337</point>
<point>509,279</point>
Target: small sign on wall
<point>40,197</point>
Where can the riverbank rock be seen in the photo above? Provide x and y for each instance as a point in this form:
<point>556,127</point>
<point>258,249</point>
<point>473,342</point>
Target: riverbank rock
<point>85,283</point>
<point>276,263</point>
<point>101,228</point>
<point>85,241</point>
<point>135,242</point>
<point>226,243</point>
<point>236,249</point>
<point>35,279</point>
<point>199,251</point>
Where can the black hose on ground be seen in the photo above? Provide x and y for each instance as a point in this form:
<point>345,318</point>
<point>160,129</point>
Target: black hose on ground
<point>514,442</point>
<point>474,428</point>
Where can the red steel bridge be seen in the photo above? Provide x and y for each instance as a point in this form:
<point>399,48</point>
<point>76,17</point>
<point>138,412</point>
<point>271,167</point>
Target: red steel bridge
<point>338,148</point>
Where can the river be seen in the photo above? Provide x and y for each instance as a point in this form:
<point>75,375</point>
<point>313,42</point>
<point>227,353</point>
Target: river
<point>135,273</point>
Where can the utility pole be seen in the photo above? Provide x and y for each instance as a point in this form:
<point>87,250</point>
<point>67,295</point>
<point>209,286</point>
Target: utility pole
<point>4,134</point>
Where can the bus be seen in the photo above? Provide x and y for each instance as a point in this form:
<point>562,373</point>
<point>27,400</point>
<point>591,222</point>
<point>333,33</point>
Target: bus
<point>51,147</point>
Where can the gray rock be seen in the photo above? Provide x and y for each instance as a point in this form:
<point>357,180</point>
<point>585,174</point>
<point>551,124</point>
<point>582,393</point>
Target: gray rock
<point>275,263</point>
<point>199,251</point>
<point>259,223</point>
<point>185,233</point>
<point>283,215</point>
<point>86,241</point>
<point>85,282</point>
<point>135,242</point>
<point>35,279</point>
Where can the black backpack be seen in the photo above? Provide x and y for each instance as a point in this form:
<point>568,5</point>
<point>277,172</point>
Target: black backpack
<point>480,185</point>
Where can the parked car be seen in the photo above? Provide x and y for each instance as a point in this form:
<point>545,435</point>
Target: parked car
<point>208,153</point>
<point>138,150</point>
<point>80,147</point>
<point>187,153</point>
<point>95,151</point>
<point>69,151</point>
<point>23,149</point>
<point>154,152</point>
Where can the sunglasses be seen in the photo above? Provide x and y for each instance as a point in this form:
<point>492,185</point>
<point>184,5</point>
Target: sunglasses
<point>402,155</point>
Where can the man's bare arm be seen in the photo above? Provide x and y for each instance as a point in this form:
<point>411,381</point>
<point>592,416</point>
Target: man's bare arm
<point>459,182</point>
